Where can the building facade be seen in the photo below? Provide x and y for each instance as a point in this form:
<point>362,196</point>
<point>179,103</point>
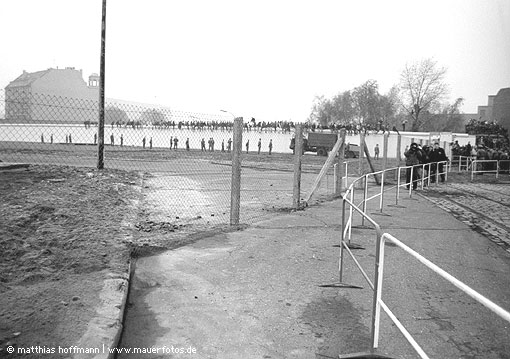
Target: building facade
<point>52,95</point>
<point>497,109</point>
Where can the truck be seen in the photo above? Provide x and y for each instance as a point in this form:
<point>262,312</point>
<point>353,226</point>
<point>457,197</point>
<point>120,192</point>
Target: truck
<point>323,143</point>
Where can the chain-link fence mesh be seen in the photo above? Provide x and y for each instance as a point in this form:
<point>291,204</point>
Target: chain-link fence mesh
<point>186,157</point>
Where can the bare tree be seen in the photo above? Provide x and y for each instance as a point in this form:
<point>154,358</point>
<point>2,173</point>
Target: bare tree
<point>343,108</point>
<point>366,102</point>
<point>422,84</point>
<point>320,111</point>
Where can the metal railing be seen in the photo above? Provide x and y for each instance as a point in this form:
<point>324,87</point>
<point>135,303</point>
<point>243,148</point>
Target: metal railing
<point>489,166</point>
<point>427,174</point>
<point>463,163</point>
<point>381,238</point>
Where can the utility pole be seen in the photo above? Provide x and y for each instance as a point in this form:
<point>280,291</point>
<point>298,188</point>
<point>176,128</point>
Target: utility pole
<point>100,127</point>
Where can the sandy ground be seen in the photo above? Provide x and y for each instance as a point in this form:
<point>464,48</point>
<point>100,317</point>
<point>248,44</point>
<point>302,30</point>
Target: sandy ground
<point>62,231</point>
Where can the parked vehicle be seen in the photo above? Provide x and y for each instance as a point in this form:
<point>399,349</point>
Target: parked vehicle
<point>323,143</point>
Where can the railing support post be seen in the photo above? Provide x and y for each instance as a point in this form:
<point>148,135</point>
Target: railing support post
<point>342,239</point>
<point>379,266</point>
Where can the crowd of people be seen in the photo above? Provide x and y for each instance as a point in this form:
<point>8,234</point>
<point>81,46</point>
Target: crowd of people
<point>196,125</point>
<point>486,149</point>
<point>251,125</point>
<point>417,156</point>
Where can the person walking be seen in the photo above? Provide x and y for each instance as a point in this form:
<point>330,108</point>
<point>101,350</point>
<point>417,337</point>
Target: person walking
<point>412,159</point>
<point>437,155</point>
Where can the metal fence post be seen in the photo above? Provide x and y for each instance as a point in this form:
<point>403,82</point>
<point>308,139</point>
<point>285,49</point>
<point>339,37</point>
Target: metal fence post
<point>298,153</point>
<point>100,127</point>
<point>361,154</point>
<point>339,170</point>
<point>235,192</point>
<point>385,151</point>
<point>399,150</point>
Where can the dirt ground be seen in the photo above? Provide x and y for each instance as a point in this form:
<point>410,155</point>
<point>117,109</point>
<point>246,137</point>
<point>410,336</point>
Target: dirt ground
<point>54,253</point>
<point>65,228</point>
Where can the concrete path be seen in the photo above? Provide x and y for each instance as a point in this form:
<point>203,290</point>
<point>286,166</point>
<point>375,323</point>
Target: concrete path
<point>257,293</point>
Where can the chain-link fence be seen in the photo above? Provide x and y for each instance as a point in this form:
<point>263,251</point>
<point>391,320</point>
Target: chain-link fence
<point>186,157</point>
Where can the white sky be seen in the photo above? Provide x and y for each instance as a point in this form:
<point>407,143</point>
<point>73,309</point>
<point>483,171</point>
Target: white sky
<point>260,58</point>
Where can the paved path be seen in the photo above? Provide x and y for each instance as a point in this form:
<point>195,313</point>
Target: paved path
<point>485,207</point>
<point>257,293</point>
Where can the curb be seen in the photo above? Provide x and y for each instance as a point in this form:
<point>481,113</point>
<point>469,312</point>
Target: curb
<point>104,331</point>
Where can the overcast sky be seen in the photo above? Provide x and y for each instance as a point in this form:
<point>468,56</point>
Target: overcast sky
<point>266,59</point>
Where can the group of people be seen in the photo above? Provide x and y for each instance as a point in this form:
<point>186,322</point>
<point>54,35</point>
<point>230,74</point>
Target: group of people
<point>252,125</point>
<point>259,146</point>
<point>212,125</point>
<point>485,150</point>
<point>417,155</point>
<point>211,145</point>
<point>69,138</point>
<point>228,148</point>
